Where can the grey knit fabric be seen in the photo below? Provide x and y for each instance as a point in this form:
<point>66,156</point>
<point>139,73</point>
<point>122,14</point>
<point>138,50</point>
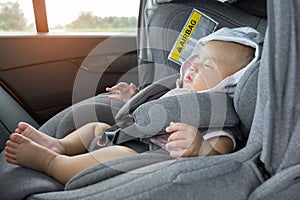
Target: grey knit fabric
<point>273,138</point>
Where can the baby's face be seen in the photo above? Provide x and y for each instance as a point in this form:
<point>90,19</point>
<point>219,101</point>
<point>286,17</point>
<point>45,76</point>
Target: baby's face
<point>216,61</point>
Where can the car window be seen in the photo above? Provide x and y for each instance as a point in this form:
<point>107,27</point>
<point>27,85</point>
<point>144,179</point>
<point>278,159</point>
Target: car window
<point>92,15</point>
<point>16,16</point>
<point>71,15</point>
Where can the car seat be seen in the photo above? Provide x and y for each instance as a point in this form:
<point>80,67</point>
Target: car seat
<point>165,18</point>
<point>232,176</point>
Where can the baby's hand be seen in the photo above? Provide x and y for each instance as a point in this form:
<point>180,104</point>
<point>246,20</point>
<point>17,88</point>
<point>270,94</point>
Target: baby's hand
<point>184,137</point>
<point>122,91</point>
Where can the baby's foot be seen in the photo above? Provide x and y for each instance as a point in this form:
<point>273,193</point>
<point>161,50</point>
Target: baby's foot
<point>22,151</point>
<point>40,138</point>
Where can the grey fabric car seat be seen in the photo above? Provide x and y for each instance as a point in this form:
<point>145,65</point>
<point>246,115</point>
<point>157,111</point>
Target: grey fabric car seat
<point>110,176</point>
<point>280,104</point>
<point>233,176</point>
<point>165,18</point>
<point>13,177</point>
<point>267,168</point>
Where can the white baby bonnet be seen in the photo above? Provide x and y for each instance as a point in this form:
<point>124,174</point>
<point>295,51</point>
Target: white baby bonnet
<point>244,35</point>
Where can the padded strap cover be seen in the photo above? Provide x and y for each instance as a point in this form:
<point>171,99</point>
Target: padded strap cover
<point>141,119</point>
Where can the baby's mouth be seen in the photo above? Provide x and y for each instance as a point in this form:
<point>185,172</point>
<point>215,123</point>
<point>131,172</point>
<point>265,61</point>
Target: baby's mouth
<point>188,79</point>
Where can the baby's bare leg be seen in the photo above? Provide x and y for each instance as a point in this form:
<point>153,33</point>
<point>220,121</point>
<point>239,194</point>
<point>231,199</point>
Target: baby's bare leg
<point>73,144</point>
<point>63,168</point>
<point>20,150</point>
<point>78,141</point>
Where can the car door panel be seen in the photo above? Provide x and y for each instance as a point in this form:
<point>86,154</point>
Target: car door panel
<point>40,72</point>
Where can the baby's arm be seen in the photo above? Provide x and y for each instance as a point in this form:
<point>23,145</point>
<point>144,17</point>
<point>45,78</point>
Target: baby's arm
<point>123,91</point>
<point>191,143</point>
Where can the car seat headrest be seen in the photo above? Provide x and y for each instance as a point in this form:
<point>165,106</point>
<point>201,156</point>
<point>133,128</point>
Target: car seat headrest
<point>254,7</point>
<point>245,98</point>
<point>243,35</point>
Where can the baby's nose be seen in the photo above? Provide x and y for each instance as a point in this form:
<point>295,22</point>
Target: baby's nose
<point>192,69</point>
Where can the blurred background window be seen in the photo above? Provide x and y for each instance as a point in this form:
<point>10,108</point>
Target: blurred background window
<point>92,15</point>
<point>16,16</point>
<point>71,15</point>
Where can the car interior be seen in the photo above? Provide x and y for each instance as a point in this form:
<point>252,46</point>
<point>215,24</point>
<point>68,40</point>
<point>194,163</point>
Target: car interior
<point>57,82</point>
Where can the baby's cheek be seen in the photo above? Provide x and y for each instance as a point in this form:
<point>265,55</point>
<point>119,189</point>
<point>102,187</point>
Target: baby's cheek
<point>213,79</point>
<point>200,83</point>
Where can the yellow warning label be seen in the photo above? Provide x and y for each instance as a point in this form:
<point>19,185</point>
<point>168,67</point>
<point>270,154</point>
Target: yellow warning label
<point>185,35</point>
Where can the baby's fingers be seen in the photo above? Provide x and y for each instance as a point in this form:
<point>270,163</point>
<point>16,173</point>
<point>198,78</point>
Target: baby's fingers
<point>108,89</point>
<point>115,97</point>
<point>186,148</point>
<point>174,148</point>
<point>114,90</point>
<point>132,86</point>
<point>177,135</point>
<point>172,128</point>
<point>117,87</point>
<point>178,154</point>
<point>177,144</point>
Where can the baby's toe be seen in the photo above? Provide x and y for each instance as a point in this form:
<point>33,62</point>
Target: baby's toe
<point>10,159</point>
<point>18,130</point>
<point>10,148</point>
<point>17,138</point>
<point>23,125</point>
